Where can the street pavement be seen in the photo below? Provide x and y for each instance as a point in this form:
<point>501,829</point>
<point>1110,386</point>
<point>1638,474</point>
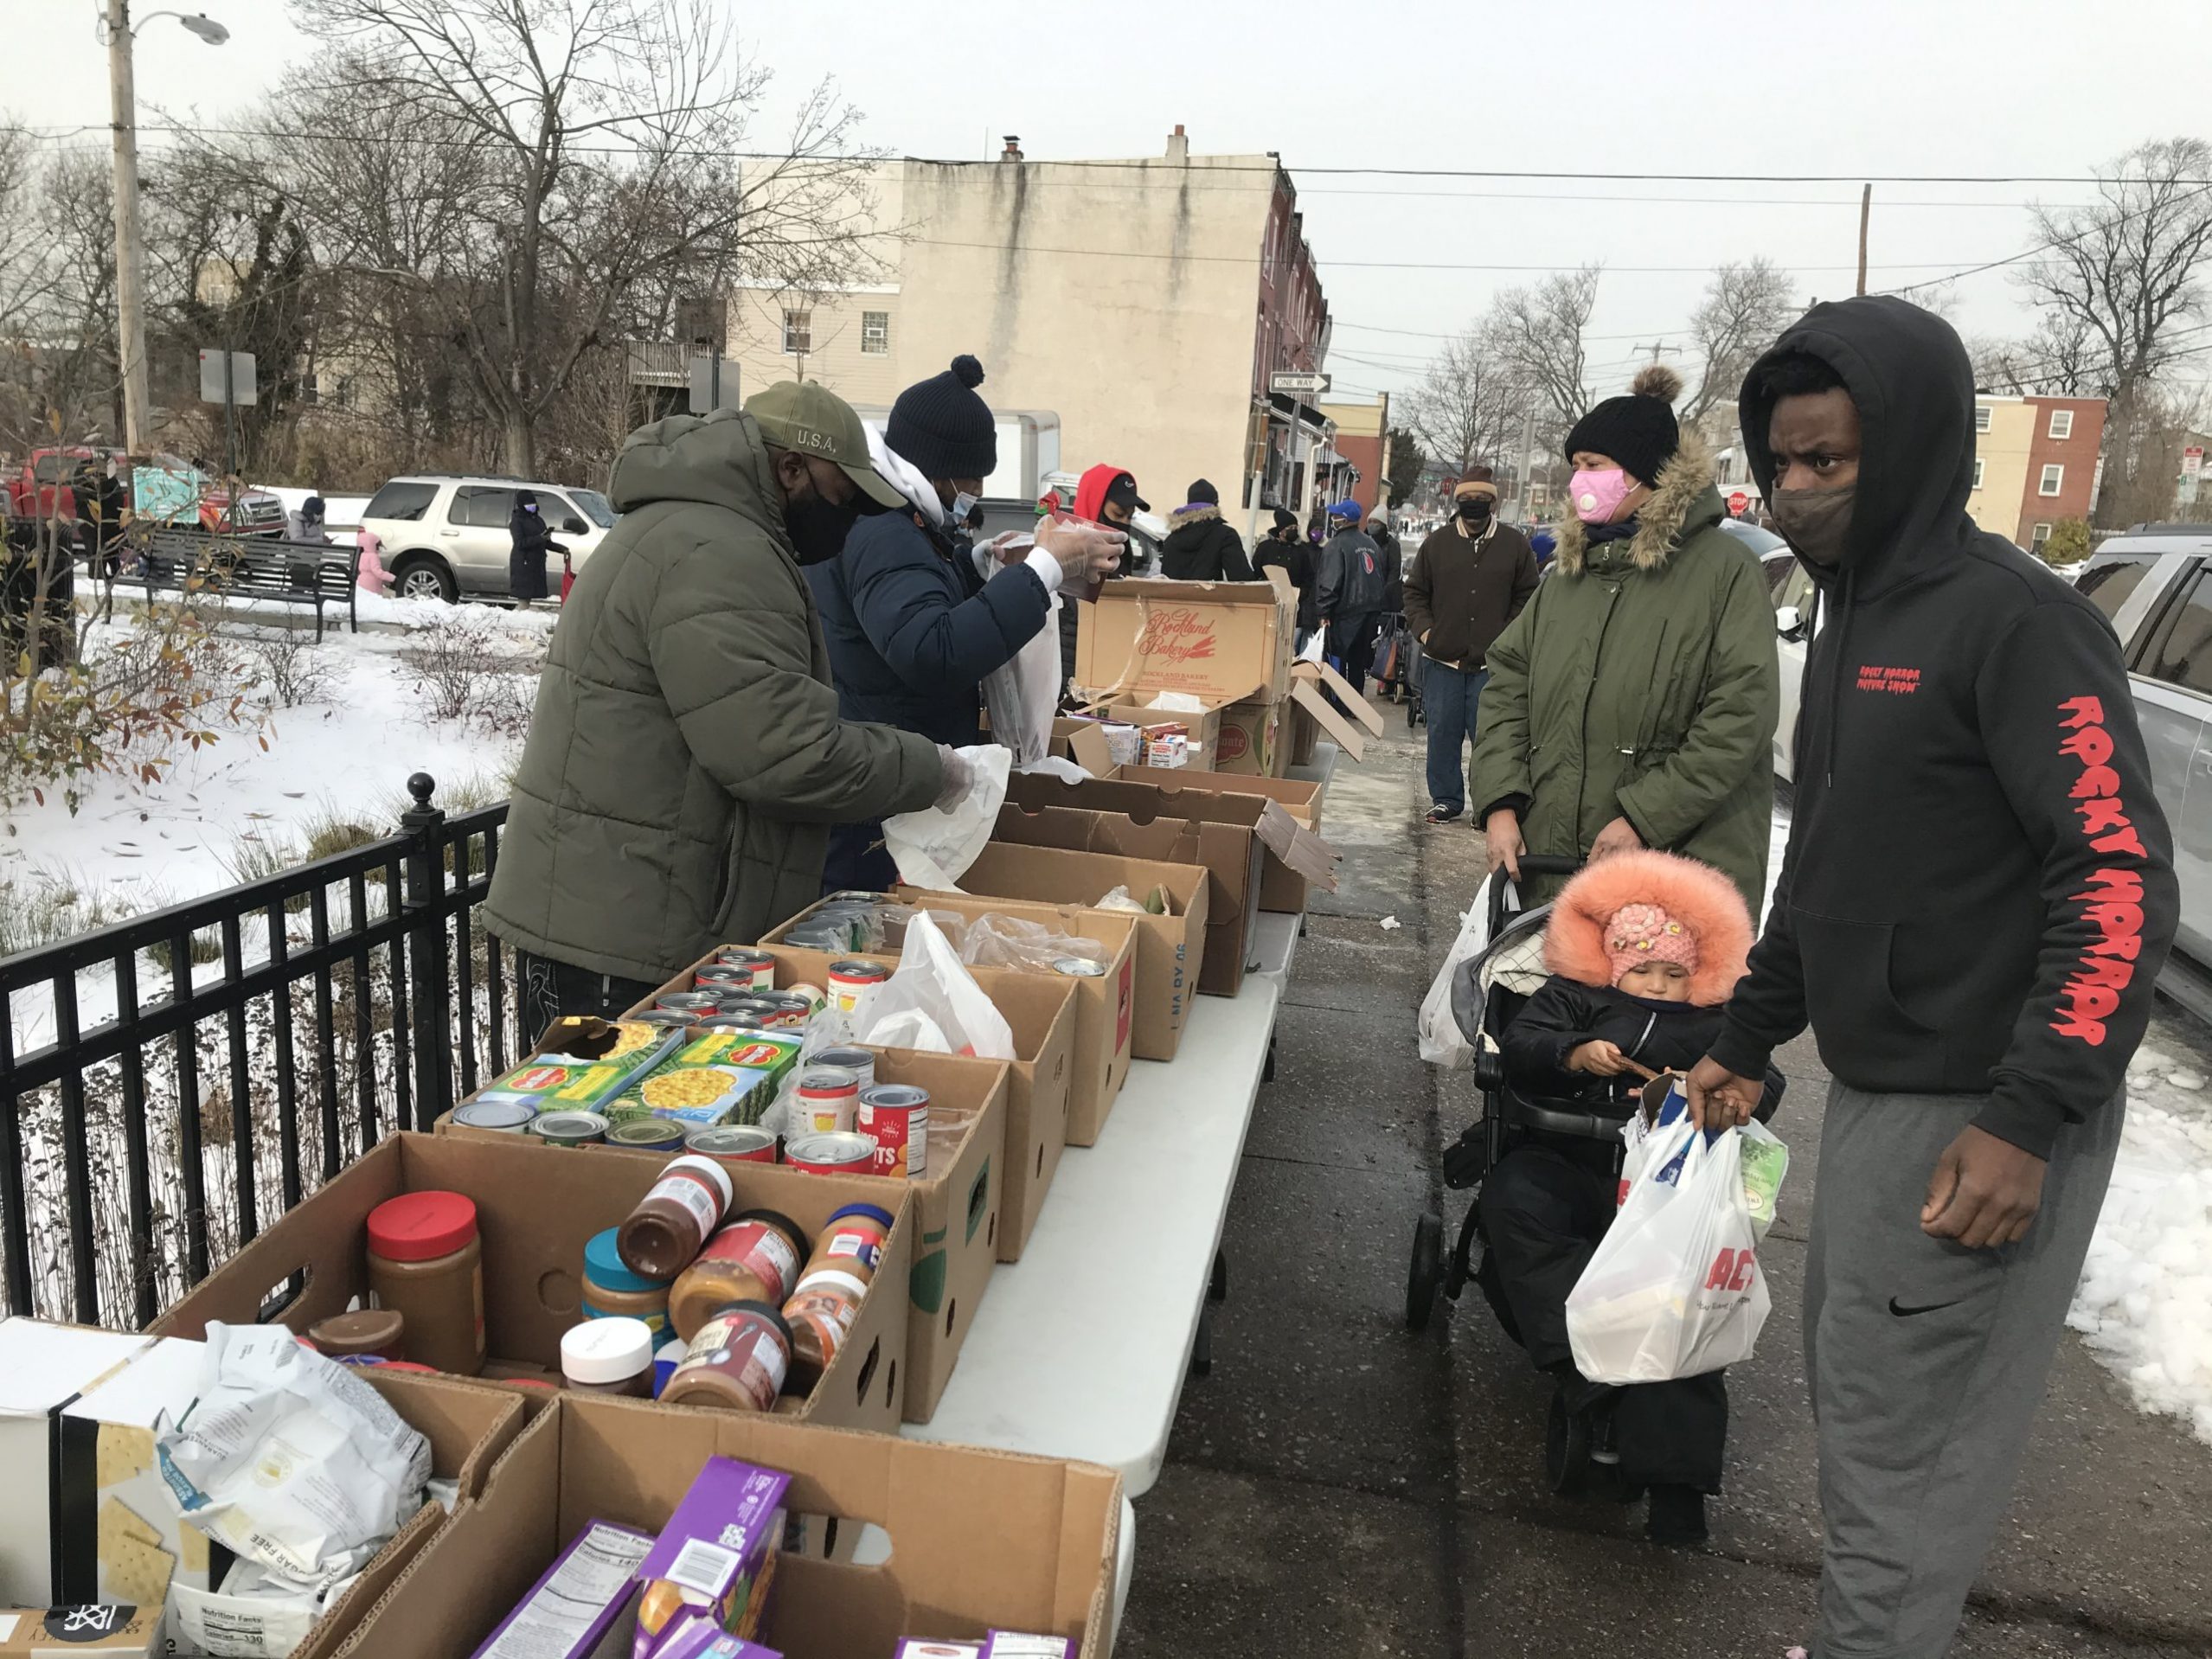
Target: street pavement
<point>1343,1488</point>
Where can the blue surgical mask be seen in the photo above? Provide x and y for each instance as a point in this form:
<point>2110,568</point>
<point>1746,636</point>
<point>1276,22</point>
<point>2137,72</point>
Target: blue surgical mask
<point>962,502</point>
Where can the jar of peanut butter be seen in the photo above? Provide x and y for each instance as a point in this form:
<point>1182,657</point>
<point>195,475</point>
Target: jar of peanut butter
<point>738,1361</point>
<point>371,1334</point>
<point>822,1310</point>
<point>676,1218</point>
<point>755,1258</point>
<point>608,1356</point>
<point>612,1290</point>
<point>427,1265</point>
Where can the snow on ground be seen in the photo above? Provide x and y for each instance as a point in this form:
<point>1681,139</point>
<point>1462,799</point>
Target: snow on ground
<point>2144,1303</point>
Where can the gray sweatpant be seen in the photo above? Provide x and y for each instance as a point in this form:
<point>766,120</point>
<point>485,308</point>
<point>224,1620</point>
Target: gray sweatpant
<point>1927,1362</point>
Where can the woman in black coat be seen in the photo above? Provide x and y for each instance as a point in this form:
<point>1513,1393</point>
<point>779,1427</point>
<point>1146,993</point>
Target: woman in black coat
<point>528,542</point>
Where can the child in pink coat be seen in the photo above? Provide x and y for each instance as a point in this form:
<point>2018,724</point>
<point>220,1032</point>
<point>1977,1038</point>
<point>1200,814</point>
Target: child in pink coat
<point>370,572</point>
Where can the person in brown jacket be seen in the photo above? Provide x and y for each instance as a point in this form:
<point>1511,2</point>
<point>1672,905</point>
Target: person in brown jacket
<point>1469,579</point>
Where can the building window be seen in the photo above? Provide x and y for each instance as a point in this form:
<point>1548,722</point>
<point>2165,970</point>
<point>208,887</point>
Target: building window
<point>1978,471</point>
<point>799,333</point>
<point>874,334</point>
<point>309,391</point>
<point>1981,417</point>
<point>2053,479</point>
<point>2061,423</point>
<point>2042,534</point>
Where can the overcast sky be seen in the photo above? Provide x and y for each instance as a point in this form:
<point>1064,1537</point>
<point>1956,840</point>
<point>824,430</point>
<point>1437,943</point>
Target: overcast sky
<point>1876,87</point>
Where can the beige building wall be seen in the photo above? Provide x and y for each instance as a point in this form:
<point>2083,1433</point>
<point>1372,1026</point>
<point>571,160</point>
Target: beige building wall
<point>2003,454</point>
<point>839,340</point>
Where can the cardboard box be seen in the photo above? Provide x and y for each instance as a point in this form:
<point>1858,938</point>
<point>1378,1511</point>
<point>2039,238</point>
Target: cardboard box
<point>1081,741</point>
<point>535,1207</point>
<point>1250,741</point>
<point>1312,715</point>
<point>1104,1007</point>
<point>1224,641</point>
<point>978,1539</point>
<point>1304,856</point>
<point>1041,1011</point>
<point>1168,946</point>
<point>956,1205</point>
<point>1231,860</point>
<point>43,1368</point>
<point>1281,887</point>
<point>1203,729</point>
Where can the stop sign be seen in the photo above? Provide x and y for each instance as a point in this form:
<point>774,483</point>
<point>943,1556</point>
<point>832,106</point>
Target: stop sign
<point>1737,502</point>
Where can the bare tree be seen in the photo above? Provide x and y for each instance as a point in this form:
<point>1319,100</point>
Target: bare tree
<point>2055,360</point>
<point>1467,408</point>
<point>605,134</point>
<point>1746,306</point>
<point>1535,334</point>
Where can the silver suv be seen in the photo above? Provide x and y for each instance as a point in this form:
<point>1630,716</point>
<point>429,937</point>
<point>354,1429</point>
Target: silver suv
<point>443,536</point>
<point>2154,583</point>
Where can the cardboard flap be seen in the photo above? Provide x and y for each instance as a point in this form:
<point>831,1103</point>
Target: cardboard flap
<point>1363,711</point>
<point>1300,849</point>
<point>1087,747</point>
<point>1346,737</point>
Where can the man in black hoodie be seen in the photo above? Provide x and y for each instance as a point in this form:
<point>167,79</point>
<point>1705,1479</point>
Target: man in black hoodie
<point>1202,546</point>
<point>1977,898</point>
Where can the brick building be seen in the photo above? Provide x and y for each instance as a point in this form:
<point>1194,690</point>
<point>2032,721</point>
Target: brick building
<point>2034,464</point>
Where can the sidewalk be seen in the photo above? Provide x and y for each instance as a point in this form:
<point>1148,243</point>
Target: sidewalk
<point>1339,1487</point>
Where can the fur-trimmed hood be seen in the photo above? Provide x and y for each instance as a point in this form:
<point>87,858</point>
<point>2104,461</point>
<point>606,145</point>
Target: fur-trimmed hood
<point>1197,512</point>
<point>1697,895</point>
<point>1662,520</point>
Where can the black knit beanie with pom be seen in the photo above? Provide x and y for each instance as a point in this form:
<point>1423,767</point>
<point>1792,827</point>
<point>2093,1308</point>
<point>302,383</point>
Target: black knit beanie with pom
<point>942,428</point>
<point>1637,432</point>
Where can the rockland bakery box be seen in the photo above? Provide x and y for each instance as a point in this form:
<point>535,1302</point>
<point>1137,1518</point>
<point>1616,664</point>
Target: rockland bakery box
<point>1222,642</point>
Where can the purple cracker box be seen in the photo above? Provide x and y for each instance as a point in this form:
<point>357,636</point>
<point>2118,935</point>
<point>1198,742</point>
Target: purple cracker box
<point>580,1608</point>
<point>922,1647</point>
<point>1011,1644</point>
<point>710,1572</point>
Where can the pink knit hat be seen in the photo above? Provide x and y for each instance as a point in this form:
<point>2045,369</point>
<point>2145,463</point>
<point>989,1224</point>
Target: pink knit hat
<point>1640,933</point>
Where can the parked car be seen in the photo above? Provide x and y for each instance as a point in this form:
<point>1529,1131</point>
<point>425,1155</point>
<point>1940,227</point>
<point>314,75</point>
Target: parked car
<point>1791,587</point>
<point>163,487</point>
<point>2154,584</point>
<point>443,536</point>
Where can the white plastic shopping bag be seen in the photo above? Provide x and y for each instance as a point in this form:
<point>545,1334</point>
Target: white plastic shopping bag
<point>934,847</point>
<point>1023,695</point>
<point>1310,652</point>
<point>1442,1041</point>
<point>1675,1288</point>
<point>932,1001</point>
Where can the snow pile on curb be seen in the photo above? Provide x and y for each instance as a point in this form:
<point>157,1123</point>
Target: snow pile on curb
<point>2145,1302</point>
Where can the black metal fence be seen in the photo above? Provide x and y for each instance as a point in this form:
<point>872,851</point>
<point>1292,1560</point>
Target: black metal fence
<point>170,1085</point>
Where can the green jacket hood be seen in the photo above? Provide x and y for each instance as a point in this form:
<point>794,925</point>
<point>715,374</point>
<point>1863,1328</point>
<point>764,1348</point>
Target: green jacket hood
<point>1683,501</point>
<point>719,459</point>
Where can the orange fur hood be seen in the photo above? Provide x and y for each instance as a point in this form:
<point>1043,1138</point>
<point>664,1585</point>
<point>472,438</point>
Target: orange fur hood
<point>1697,895</point>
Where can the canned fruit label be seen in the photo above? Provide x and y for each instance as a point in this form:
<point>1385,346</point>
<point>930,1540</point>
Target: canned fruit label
<point>762,1250</point>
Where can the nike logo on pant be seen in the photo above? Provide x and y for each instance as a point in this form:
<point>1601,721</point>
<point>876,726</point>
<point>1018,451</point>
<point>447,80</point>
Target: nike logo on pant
<point>1903,1312</point>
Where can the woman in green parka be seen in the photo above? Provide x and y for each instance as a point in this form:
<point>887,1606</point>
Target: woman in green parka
<point>1632,703</point>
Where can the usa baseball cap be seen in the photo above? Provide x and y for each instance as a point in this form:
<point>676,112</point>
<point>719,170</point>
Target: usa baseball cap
<point>808,417</point>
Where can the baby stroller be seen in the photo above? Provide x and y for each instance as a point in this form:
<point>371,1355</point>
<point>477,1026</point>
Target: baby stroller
<point>1488,992</point>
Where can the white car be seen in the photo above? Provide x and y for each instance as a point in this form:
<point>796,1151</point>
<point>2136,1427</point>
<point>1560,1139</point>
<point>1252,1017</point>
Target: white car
<point>1791,588</point>
<point>443,536</point>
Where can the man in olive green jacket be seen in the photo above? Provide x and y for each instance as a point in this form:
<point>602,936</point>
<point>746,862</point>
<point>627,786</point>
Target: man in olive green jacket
<point>1633,701</point>
<point>685,761</point>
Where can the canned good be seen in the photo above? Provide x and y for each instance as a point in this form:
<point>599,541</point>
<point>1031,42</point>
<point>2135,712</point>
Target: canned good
<point>831,1154</point>
<point>860,1062</point>
<point>853,896</point>
<point>716,974</point>
<point>820,936</point>
<point>895,1119</point>
<point>662,1019</point>
<point>787,1008</point>
<point>647,1135</point>
<point>733,1020</point>
<point>694,1003</point>
<point>1079,967</point>
<point>759,966</point>
<point>850,977</point>
<point>569,1128</point>
<point>734,1144</point>
<point>829,1097</point>
<point>506,1117</point>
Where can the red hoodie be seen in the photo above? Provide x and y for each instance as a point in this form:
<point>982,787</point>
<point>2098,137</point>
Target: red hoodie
<point>1091,490</point>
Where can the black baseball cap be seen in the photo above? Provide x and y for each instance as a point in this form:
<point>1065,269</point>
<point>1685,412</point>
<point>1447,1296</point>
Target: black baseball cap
<point>1122,492</point>
<point>807,416</point>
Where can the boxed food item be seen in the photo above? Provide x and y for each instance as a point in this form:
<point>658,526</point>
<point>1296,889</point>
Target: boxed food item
<point>536,1209</point>
<point>584,1606</point>
<point>1196,721</point>
<point>43,1368</point>
<point>1167,904</point>
<point>80,1632</point>
<point>713,1566</point>
<point>1252,738</point>
<point>977,1540</point>
<point>1222,640</point>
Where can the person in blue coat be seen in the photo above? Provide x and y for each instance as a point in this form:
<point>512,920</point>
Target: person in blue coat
<point>912,626</point>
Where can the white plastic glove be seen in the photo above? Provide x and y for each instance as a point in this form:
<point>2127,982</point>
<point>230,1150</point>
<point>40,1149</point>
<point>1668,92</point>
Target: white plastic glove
<point>959,777</point>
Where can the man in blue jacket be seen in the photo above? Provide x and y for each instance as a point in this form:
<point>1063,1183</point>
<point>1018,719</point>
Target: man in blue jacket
<point>912,626</point>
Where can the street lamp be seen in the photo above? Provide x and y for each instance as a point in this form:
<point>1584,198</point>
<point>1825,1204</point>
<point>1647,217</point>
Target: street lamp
<point>130,270</point>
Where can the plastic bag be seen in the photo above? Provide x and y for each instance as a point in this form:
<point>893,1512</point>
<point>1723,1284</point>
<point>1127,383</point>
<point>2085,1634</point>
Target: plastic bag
<point>997,941</point>
<point>291,1459</point>
<point>1119,899</point>
<point>1023,696</point>
<point>1057,766</point>
<point>934,847</point>
<point>1441,1041</point>
<point>1311,651</point>
<point>932,1003</point>
<point>1674,1288</point>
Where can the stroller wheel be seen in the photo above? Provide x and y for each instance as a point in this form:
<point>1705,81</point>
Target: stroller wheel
<point>1567,1449</point>
<point>1426,1276</point>
<point>1413,711</point>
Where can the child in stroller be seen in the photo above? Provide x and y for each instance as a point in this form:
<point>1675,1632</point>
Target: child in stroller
<point>1644,949</point>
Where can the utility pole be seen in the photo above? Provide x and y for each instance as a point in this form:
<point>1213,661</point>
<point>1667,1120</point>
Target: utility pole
<point>1655,350</point>
<point>1528,448</point>
<point>1866,212</point>
<point>130,271</point>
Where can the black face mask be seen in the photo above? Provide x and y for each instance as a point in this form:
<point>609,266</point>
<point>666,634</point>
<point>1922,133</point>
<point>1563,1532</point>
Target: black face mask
<point>1474,510</point>
<point>1815,523</point>
<point>818,528</point>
